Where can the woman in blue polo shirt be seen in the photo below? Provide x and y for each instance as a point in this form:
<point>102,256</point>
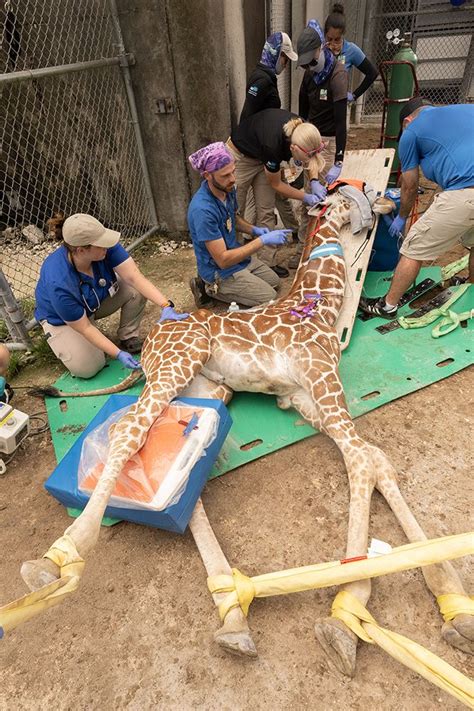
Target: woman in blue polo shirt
<point>89,277</point>
<point>348,53</point>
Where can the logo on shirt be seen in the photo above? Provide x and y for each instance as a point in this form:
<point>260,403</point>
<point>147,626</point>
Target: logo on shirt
<point>323,95</point>
<point>253,90</point>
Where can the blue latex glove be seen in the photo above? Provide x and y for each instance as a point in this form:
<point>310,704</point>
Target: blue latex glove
<point>350,97</point>
<point>318,190</point>
<point>310,199</point>
<point>333,174</point>
<point>275,238</point>
<point>259,231</point>
<point>128,361</point>
<point>169,314</point>
<point>397,226</point>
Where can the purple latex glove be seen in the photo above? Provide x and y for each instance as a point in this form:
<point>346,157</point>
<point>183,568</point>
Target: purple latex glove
<point>350,97</point>
<point>318,190</point>
<point>127,360</point>
<point>333,174</point>
<point>310,199</point>
<point>259,231</point>
<point>275,238</point>
<point>169,314</point>
<point>397,226</point>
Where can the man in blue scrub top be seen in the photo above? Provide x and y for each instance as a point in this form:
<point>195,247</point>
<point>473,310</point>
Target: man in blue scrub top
<point>440,140</point>
<point>227,271</point>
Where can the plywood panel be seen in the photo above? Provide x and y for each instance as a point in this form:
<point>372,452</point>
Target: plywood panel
<point>373,166</point>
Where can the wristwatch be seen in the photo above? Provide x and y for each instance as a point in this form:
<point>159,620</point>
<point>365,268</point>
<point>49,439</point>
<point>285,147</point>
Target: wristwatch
<point>169,303</point>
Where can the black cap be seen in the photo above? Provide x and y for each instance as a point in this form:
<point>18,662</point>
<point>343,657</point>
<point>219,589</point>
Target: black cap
<point>412,105</point>
<point>308,42</point>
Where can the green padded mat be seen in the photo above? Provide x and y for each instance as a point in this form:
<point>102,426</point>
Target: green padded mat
<point>375,369</point>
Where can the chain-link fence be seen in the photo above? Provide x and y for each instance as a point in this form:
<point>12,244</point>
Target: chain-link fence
<point>440,34</point>
<point>67,130</point>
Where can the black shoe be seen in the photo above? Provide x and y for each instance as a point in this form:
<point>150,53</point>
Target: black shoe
<point>131,345</point>
<point>280,271</point>
<point>201,298</point>
<point>376,307</point>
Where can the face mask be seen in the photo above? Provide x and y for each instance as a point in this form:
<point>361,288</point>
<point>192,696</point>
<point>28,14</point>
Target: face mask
<point>319,66</point>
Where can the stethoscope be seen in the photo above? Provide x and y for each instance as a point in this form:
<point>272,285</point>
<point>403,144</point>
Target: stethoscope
<point>102,282</point>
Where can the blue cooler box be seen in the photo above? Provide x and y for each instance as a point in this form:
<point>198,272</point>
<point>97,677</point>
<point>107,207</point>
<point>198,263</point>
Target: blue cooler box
<point>63,485</point>
<point>385,254</point>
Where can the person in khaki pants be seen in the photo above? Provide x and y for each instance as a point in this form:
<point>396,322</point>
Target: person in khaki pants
<point>227,271</point>
<point>89,277</point>
<point>440,139</point>
<point>259,145</point>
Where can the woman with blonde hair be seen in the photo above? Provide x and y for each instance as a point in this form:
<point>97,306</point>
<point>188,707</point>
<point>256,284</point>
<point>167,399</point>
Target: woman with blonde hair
<point>259,144</point>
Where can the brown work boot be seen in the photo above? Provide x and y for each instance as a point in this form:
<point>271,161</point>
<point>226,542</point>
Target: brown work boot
<point>131,345</point>
<point>201,298</point>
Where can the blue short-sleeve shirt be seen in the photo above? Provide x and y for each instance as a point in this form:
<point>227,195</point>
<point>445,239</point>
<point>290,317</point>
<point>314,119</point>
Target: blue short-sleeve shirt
<point>441,140</point>
<point>64,294</point>
<point>350,55</point>
<point>208,219</point>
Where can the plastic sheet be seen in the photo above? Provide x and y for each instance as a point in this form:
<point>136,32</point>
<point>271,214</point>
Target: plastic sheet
<point>156,476</point>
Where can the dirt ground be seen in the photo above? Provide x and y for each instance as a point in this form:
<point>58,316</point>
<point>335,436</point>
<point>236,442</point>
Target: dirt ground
<point>138,634</point>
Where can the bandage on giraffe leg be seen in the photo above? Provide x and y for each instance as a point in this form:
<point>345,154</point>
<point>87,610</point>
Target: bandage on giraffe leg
<point>234,635</point>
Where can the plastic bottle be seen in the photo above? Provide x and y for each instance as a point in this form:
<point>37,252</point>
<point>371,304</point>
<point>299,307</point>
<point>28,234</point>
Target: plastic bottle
<point>233,306</point>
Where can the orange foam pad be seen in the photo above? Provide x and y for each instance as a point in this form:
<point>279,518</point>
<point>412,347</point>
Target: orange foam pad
<point>142,475</point>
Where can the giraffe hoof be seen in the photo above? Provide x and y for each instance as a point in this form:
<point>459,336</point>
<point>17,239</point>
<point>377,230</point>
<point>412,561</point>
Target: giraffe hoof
<point>459,633</point>
<point>40,572</point>
<point>339,644</point>
<point>239,643</point>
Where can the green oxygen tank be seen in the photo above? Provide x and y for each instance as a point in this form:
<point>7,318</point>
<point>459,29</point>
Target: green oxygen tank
<point>401,88</point>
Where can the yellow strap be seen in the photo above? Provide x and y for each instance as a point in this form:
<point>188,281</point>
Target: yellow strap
<point>63,552</point>
<point>347,608</point>
<point>451,605</point>
<point>240,587</point>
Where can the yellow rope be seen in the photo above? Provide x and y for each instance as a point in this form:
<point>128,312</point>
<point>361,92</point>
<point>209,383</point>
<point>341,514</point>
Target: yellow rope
<point>347,608</point>
<point>63,552</point>
<point>242,589</point>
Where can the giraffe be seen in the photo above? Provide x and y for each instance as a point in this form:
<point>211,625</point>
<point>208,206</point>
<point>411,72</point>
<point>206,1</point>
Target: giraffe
<point>288,348</point>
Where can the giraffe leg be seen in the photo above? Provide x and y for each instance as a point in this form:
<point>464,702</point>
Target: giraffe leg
<point>329,413</point>
<point>234,635</point>
<point>165,381</point>
<point>441,578</point>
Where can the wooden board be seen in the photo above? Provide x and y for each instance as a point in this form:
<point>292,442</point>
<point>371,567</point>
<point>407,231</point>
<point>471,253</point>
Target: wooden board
<point>374,167</point>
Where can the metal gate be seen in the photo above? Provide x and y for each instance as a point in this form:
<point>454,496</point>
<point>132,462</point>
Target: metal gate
<point>441,36</point>
<point>69,136</point>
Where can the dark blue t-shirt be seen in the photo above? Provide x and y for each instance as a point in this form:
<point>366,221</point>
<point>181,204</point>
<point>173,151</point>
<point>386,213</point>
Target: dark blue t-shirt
<point>208,219</point>
<point>64,294</point>
<point>441,140</point>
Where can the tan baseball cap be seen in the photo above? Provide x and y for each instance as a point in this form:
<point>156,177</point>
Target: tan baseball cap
<point>287,47</point>
<point>82,230</point>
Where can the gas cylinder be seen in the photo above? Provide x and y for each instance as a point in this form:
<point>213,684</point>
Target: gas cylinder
<point>401,87</point>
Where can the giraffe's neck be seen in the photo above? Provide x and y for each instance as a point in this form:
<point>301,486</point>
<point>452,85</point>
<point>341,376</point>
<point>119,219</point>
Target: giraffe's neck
<point>324,274</point>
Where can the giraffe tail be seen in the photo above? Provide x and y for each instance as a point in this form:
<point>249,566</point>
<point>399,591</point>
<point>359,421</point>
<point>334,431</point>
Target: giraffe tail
<point>51,391</point>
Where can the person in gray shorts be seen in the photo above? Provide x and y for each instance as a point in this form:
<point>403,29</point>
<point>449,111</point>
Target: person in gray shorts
<point>440,139</point>
<point>88,277</point>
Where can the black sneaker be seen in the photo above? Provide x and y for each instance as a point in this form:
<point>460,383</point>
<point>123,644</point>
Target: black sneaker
<point>201,298</point>
<point>131,345</point>
<point>280,271</point>
<point>376,307</point>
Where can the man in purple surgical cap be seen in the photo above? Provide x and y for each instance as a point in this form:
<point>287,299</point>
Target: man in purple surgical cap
<point>227,271</point>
